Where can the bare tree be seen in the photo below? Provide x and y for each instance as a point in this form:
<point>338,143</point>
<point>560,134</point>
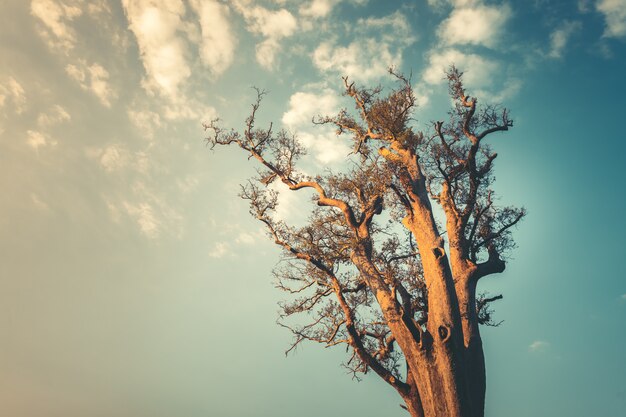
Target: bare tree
<point>372,269</point>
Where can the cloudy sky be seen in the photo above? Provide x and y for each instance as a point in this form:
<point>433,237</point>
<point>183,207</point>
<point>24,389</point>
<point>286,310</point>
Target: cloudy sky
<point>133,283</point>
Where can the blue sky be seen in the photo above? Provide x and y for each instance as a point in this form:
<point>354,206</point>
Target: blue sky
<point>133,283</point>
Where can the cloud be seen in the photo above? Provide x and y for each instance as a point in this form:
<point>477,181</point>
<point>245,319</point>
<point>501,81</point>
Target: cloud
<point>163,52</point>
<point>393,28</point>
<point>560,37</point>
<point>144,215</point>
<point>475,24</point>
<point>36,140</point>
<point>623,297</point>
<point>303,106</point>
<point>317,8</point>
<point>92,78</point>
<point>39,203</point>
<point>56,15</point>
<point>380,46</point>
<point>114,157</point>
<point>220,250</point>
<point>272,25</point>
<point>56,115</point>
<point>218,41</point>
<point>538,346</point>
<point>245,238</point>
<point>151,212</point>
<point>361,60</point>
<point>322,8</point>
<point>478,71</point>
<point>145,121</point>
<point>583,5</point>
<point>327,147</point>
<point>614,12</point>
<point>438,4</point>
<point>12,93</point>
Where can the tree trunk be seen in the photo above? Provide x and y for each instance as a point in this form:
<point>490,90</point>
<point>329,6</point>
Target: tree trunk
<point>444,390</point>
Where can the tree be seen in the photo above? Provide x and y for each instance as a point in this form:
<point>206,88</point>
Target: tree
<point>373,268</point>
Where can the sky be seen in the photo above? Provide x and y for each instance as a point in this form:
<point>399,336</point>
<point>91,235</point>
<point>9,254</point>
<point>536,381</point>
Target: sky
<point>134,283</point>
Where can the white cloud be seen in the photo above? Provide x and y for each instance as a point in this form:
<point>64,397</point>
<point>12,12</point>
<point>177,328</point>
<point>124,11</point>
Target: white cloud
<point>266,52</point>
<point>118,158</point>
<point>36,140</point>
<point>484,78</point>
<point>318,8</point>
<point>144,215</point>
<point>313,12</point>
<point>218,40</point>
<point>187,184</point>
<point>560,37</point>
<point>39,203</point>
<point>92,78</point>
<point>12,93</point>
<point>538,346</point>
<point>623,297</point>
<point>614,12</point>
<point>327,147</point>
<point>155,24</point>
<point>220,250</point>
<point>303,106</point>
<point>583,5</point>
<point>56,15</point>
<point>150,211</point>
<point>393,28</point>
<point>272,25</point>
<point>438,4</point>
<point>475,24</point>
<point>145,121</point>
<point>56,115</point>
<point>321,141</point>
<point>245,238</point>
<point>381,42</point>
<point>114,157</point>
<point>362,60</point>
<point>478,71</point>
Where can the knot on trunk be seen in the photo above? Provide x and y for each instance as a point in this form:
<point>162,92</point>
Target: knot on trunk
<point>444,333</point>
<point>439,252</point>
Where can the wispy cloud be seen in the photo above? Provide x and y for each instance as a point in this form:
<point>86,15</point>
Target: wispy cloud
<point>56,16</point>
<point>318,8</point>
<point>321,141</point>
<point>156,25</point>
<point>38,203</point>
<point>361,60</point>
<point>146,121</point>
<point>94,78</point>
<point>614,12</point>
<point>220,250</point>
<point>475,24</point>
<point>538,346</point>
<point>560,37</point>
<point>151,212</point>
<point>273,25</point>
<point>480,71</point>
<point>58,114</point>
<point>12,93</point>
<point>303,106</point>
<point>36,139</point>
<point>218,41</point>
<point>381,43</point>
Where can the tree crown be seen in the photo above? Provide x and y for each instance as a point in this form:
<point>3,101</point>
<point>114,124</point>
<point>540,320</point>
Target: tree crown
<point>366,235</point>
